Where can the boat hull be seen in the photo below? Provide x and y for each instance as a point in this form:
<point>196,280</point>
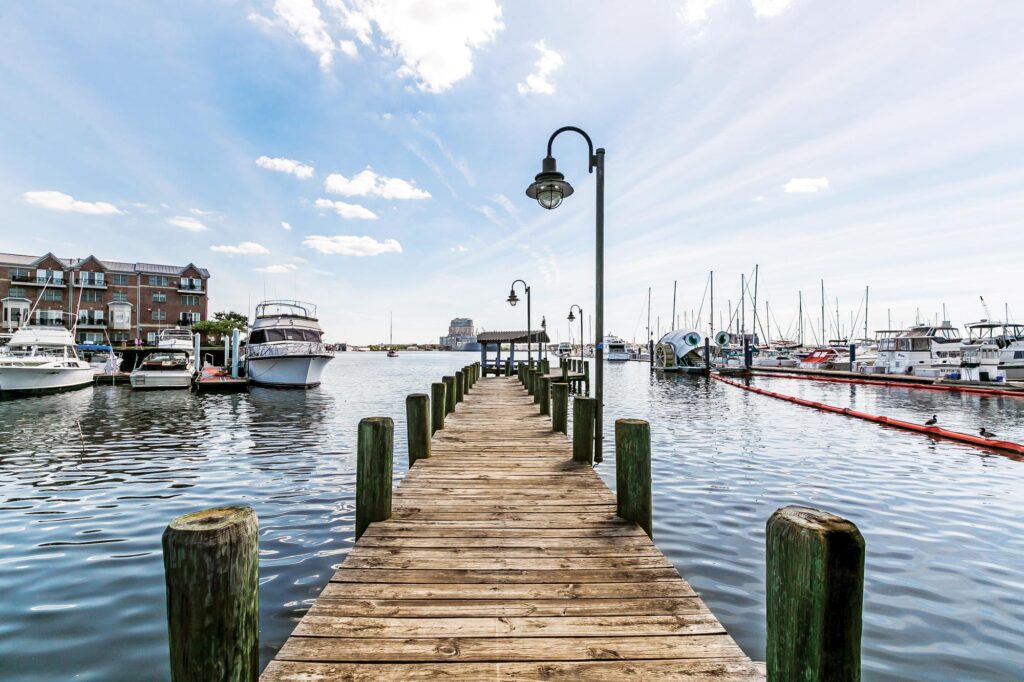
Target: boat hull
<point>163,380</point>
<point>42,380</point>
<point>291,371</point>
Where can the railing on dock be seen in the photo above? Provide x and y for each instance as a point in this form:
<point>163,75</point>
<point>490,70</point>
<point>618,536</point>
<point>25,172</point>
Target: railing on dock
<point>503,554</point>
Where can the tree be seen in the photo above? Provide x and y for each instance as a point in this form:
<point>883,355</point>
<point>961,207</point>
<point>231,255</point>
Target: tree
<point>221,325</point>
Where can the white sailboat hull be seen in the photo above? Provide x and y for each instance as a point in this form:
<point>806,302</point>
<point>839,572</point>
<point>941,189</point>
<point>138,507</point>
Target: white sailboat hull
<point>27,380</point>
<point>287,371</point>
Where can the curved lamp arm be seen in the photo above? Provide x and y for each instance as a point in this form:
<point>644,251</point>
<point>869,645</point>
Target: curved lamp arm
<point>590,145</point>
<point>526,287</point>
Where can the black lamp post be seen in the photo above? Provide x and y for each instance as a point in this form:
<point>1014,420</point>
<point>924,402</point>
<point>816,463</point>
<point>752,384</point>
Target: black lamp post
<point>512,300</point>
<point>571,318</point>
<point>549,188</point>
<point>542,349</point>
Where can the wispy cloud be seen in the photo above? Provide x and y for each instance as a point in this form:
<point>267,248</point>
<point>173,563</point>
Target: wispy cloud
<point>367,183</point>
<point>278,269</point>
<point>351,245</point>
<point>299,170</point>
<point>770,8</point>
<point>539,81</point>
<point>187,223</point>
<point>435,39</point>
<point>345,210</point>
<point>489,213</point>
<point>797,185</point>
<point>286,226</point>
<point>243,249</point>
<point>696,14</point>
<point>458,248</point>
<point>58,201</point>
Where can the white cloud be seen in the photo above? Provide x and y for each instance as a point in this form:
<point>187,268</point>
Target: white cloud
<point>759,198</point>
<point>347,211</point>
<point>302,19</point>
<point>199,212</point>
<point>806,184</point>
<point>368,183</point>
<point>348,48</point>
<point>540,80</point>
<point>770,8</point>
<point>490,213</point>
<point>299,170</point>
<point>245,248</point>
<point>286,226</point>
<point>434,38</point>
<point>696,14</point>
<point>351,245</point>
<point>58,201</point>
<point>458,248</point>
<point>278,269</point>
<point>187,223</point>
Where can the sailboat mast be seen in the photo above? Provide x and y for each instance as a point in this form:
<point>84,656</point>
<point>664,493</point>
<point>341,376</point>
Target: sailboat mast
<point>648,317</point>
<point>800,313</point>
<point>743,306</point>
<point>866,292</point>
<point>673,318</point>
<point>822,312</point>
<point>755,327</point>
<point>711,318</point>
<point>768,321</point>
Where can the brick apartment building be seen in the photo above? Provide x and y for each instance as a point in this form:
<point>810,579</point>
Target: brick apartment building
<point>110,300</point>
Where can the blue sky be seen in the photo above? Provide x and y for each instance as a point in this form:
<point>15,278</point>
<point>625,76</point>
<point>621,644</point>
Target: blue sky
<point>865,143</point>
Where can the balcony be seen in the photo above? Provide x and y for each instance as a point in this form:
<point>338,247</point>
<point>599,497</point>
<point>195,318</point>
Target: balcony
<point>33,280</point>
<point>48,322</point>
<point>91,283</point>
<point>91,323</point>
<point>190,289</point>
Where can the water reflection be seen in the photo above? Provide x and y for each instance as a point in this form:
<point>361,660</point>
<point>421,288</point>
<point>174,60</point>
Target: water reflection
<point>81,512</point>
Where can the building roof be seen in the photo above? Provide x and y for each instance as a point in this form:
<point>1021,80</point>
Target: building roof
<point>512,337</point>
<point>112,265</point>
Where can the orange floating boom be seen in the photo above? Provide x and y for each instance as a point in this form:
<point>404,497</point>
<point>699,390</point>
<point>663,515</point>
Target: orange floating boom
<point>936,431</point>
<point>1004,393</point>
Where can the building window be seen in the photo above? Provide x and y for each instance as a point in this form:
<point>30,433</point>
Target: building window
<point>53,295</point>
<point>119,337</point>
<point>16,292</point>
<point>151,338</point>
<point>91,278</point>
<point>159,281</point>
<point>190,318</point>
<point>159,315</point>
<point>92,296</point>
<point>119,280</point>
<point>189,299</point>
<point>20,274</point>
<point>191,283</point>
<point>159,297</point>
<point>120,297</point>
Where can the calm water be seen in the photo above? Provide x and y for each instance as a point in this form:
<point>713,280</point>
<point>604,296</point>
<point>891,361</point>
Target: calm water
<point>88,481</point>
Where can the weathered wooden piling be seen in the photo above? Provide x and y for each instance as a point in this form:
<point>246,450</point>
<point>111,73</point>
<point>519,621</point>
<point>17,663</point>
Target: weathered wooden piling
<point>460,386</point>
<point>544,395</point>
<point>815,595</point>
<point>211,567</point>
<point>417,420</point>
<point>565,373</point>
<point>560,407</point>
<point>449,393</point>
<point>538,376</point>
<point>633,472</point>
<point>530,373</point>
<point>375,449</point>
<point>583,412</point>
<point>438,404</point>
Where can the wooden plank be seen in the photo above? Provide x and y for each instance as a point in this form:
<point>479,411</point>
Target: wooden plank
<point>503,559</point>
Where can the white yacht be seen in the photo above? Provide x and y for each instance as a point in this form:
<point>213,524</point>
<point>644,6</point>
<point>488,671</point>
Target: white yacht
<point>1011,351</point>
<point>176,338</point>
<point>167,368</point>
<point>681,350</point>
<point>285,345</point>
<point>564,349</point>
<point>42,360</point>
<point>615,349</point>
<point>922,350</point>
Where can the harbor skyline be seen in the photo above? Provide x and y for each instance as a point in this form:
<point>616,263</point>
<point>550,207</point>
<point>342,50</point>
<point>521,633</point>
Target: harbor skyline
<point>368,164</point>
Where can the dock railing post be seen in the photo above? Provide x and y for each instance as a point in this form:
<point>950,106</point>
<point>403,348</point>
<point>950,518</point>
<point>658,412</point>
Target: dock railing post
<point>460,386</point>
<point>544,394</point>
<point>633,471</point>
<point>815,596</point>
<point>528,374</point>
<point>211,569</point>
<point>583,412</point>
<point>438,406</point>
<point>374,453</point>
<point>538,379</point>
<point>417,426</point>
<point>449,394</point>
<point>586,376</point>
<point>560,407</point>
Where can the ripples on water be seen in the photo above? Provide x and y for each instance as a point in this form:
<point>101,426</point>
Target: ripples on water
<point>89,480</point>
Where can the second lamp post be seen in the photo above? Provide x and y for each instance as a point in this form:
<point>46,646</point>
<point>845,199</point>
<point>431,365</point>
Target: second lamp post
<point>512,300</point>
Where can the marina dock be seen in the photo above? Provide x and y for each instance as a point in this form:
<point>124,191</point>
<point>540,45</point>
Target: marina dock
<point>505,559</point>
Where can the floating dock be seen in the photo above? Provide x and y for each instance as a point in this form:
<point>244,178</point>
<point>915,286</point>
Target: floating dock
<point>504,559</point>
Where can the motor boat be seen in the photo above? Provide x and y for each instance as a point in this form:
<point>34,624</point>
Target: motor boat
<point>1011,351</point>
<point>680,350</point>
<point>101,357</point>
<point>164,369</point>
<point>42,360</point>
<point>615,349</point>
<point>988,353</point>
<point>772,357</point>
<point>176,338</point>
<point>285,346</point>
<point>922,350</point>
<point>825,358</point>
<point>564,349</point>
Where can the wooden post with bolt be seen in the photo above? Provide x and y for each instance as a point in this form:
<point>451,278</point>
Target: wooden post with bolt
<point>449,394</point>
<point>583,412</point>
<point>633,471</point>
<point>438,404</point>
<point>544,393</point>
<point>560,407</point>
<point>417,420</point>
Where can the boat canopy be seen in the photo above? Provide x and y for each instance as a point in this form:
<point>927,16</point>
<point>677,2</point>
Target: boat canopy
<point>94,347</point>
<point>299,309</point>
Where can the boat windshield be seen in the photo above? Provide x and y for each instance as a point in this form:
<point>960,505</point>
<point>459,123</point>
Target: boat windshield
<point>290,334</point>
<point>37,351</point>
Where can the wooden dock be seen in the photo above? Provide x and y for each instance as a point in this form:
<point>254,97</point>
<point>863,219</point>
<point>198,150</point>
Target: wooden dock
<point>504,559</point>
